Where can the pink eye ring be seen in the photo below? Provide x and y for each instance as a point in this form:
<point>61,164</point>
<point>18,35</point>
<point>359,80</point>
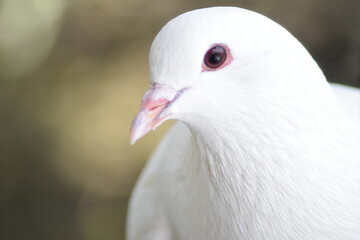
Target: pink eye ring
<point>217,57</point>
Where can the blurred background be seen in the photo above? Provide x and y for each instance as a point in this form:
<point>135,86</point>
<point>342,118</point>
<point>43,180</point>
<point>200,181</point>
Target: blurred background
<point>72,73</point>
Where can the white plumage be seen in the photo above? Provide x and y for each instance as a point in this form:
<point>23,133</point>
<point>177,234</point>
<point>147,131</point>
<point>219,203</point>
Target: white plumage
<point>264,148</point>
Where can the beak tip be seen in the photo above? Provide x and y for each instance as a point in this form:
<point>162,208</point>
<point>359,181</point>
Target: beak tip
<point>138,130</point>
<point>132,140</point>
<point>134,136</point>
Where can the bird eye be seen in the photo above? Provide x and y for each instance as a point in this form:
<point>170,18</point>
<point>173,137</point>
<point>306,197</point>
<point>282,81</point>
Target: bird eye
<point>216,57</point>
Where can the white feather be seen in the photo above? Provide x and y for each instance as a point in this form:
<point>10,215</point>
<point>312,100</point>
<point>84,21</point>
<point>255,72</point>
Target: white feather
<point>266,149</point>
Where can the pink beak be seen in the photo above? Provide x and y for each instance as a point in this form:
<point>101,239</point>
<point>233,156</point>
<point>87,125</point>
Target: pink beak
<point>154,110</point>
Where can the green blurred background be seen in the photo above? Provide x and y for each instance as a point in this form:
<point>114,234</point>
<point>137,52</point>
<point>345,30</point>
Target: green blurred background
<point>72,74</point>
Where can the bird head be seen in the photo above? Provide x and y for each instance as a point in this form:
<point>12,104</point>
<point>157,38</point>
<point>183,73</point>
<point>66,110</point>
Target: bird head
<point>223,64</point>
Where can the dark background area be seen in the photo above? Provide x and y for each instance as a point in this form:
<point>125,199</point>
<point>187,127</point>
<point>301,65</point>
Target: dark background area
<point>72,74</point>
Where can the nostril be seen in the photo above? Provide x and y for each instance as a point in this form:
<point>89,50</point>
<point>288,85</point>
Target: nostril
<point>157,104</point>
<point>154,107</point>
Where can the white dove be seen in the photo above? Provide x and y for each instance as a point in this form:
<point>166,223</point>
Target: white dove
<point>265,148</point>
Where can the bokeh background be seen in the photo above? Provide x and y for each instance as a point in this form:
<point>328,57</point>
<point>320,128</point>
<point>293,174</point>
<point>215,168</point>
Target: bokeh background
<point>72,73</point>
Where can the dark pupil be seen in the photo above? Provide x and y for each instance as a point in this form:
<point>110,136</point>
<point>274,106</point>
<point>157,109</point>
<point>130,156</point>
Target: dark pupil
<point>215,57</point>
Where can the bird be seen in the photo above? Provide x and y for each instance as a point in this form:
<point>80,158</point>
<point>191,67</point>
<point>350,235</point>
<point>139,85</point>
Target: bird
<point>264,148</point>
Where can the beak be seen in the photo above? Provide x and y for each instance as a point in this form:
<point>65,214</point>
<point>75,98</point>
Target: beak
<point>154,110</point>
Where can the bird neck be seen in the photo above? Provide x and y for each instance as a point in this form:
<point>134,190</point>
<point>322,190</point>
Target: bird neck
<point>249,151</point>
<point>226,154</point>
